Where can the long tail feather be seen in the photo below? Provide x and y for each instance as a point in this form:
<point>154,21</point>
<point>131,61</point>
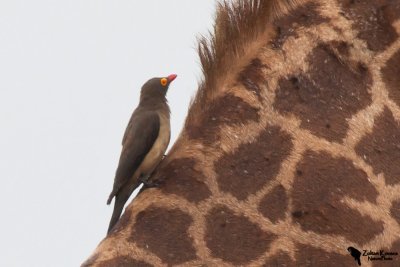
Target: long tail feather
<point>118,207</point>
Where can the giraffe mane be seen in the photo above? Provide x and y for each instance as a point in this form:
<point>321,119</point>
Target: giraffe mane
<point>237,24</point>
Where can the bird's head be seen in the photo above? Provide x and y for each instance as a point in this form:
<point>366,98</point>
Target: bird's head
<point>156,87</point>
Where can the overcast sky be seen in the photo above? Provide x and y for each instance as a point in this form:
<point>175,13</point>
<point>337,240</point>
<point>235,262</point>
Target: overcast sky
<point>70,75</point>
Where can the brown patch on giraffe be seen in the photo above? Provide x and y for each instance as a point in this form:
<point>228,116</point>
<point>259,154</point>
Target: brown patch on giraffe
<point>123,261</point>
<point>179,177</point>
<point>395,262</point>
<point>234,238</point>
<point>303,16</point>
<point>320,184</point>
<point>310,256</point>
<point>341,51</point>
<point>328,95</point>
<point>280,259</point>
<point>247,169</point>
<point>395,211</point>
<point>252,75</point>
<point>391,76</point>
<point>164,232</point>
<point>391,10</point>
<point>342,48</point>
<point>228,109</point>
<point>274,204</point>
<point>381,148</point>
<point>372,20</point>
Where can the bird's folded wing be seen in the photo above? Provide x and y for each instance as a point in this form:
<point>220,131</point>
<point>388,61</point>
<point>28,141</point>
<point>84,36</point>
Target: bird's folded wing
<point>139,137</point>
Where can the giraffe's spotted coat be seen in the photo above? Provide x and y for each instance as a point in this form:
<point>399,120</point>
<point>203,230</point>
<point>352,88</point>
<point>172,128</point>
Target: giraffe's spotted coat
<point>395,247</point>
<point>303,16</point>
<point>280,259</point>
<point>231,110</point>
<point>274,205</point>
<point>252,76</point>
<point>320,184</point>
<point>391,76</point>
<point>244,171</point>
<point>234,238</point>
<point>395,211</point>
<point>327,95</point>
<point>165,233</point>
<point>381,148</point>
<point>309,256</point>
<point>325,77</point>
<point>180,177</point>
<point>373,21</point>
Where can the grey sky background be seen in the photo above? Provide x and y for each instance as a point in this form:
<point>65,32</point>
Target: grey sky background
<point>70,75</point>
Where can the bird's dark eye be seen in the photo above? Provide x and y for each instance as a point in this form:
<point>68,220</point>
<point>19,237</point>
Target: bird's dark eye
<point>164,81</point>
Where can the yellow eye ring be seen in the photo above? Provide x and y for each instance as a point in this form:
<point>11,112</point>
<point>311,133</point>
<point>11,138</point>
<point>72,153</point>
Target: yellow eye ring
<point>164,81</point>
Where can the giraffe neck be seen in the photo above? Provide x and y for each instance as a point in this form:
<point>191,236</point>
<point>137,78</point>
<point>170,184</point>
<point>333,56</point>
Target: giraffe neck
<point>293,160</point>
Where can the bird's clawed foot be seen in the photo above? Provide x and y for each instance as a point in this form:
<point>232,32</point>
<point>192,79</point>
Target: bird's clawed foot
<point>147,183</point>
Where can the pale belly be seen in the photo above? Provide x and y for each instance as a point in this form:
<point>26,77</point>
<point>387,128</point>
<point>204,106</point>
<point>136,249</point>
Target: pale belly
<point>158,149</point>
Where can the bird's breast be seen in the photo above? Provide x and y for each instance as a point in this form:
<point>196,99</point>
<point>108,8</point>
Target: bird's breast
<point>159,147</point>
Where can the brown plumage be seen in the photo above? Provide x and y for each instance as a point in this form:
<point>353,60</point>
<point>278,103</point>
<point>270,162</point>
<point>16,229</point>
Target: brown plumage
<point>144,143</point>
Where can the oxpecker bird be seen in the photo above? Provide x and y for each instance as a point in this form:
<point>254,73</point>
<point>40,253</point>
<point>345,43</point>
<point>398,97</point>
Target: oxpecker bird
<point>144,143</point>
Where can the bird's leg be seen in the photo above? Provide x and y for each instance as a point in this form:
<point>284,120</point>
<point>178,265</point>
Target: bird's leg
<point>144,179</point>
